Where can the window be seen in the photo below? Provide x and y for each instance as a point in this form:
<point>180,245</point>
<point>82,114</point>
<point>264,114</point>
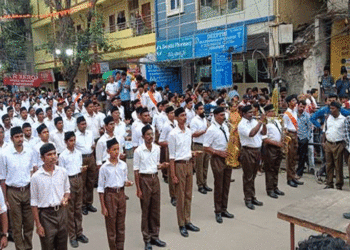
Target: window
<point>79,28</point>
<point>174,7</point>
<point>214,8</point>
<point>112,27</point>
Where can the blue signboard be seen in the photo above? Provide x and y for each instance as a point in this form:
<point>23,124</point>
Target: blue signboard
<point>165,76</point>
<point>175,49</point>
<point>233,40</point>
<point>221,74</point>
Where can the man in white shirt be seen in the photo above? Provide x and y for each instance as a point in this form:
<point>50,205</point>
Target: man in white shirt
<point>6,121</point>
<point>49,119</point>
<point>250,134</point>
<point>111,91</point>
<point>215,142</point>
<point>59,112</point>
<point>91,121</point>
<point>333,142</point>
<point>17,163</point>
<point>44,136</point>
<point>69,122</point>
<point>168,126</point>
<point>19,121</point>
<point>99,115</point>
<point>152,98</point>
<point>199,127</point>
<point>49,196</point>
<point>40,120</point>
<point>190,114</point>
<point>71,159</point>
<point>134,87</point>
<point>146,163</point>
<point>136,105</point>
<point>29,140</point>
<point>101,145</point>
<point>136,134</point>
<point>120,127</point>
<point>272,152</point>
<point>85,144</point>
<point>57,136</point>
<point>158,120</point>
<point>290,119</point>
<point>180,155</point>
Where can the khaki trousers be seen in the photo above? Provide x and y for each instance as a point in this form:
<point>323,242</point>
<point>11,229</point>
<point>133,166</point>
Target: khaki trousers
<point>272,161</point>
<point>250,160</point>
<point>183,191</point>
<point>22,221</point>
<point>89,180</point>
<point>150,206</point>
<point>164,157</point>
<point>115,221</point>
<point>56,231</point>
<point>334,161</point>
<point>201,165</point>
<point>222,181</point>
<point>291,156</point>
<point>75,203</point>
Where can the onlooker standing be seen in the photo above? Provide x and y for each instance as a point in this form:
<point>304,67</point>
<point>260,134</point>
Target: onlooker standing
<point>326,83</point>
<point>333,143</point>
<point>343,83</point>
<point>123,90</point>
<point>111,91</point>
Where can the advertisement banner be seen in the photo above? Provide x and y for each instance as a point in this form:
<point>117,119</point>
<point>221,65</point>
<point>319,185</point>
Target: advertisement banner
<point>175,49</point>
<point>221,70</point>
<point>47,75</point>
<point>165,76</point>
<point>23,80</point>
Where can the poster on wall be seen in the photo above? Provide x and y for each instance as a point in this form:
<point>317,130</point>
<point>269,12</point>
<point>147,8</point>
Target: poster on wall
<point>221,70</point>
<point>165,76</point>
<point>23,80</point>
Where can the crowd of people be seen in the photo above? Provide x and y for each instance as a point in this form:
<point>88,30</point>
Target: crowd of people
<point>55,147</point>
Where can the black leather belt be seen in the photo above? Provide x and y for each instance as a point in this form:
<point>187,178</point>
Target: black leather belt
<point>333,143</point>
<point>113,190</point>
<point>197,143</point>
<point>149,175</point>
<point>293,132</point>
<point>55,208</point>
<point>183,162</point>
<point>19,188</point>
<point>74,176</point>
<point>87,155</point>
<point>246,147</point>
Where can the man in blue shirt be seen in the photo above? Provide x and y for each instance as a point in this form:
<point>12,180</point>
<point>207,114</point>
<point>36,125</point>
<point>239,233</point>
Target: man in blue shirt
<point>343,83</point>
<point>233,92</point>
<point>123,90</point>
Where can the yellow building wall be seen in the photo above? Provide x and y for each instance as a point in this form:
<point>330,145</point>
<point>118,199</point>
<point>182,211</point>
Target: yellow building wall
<point>297,12</point>
<point>340,48</point>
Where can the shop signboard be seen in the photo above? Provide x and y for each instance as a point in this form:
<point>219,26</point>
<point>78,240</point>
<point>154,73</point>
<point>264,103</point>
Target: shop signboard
<point>175,49</point>
<point>165,76</point>
<point>221,70</point>
<point>23,80</point>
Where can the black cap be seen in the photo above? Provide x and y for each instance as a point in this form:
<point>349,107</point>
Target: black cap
<point>144,110</point>
<point>343,70</point>
<point>108,119</point>
<point>290,98</point>
<point>22,109</point>
<point>268,107</point>
<point>335,104</point>
<point>68,135</point>
<point>169,109</point>
<point>219,110</point>
<point>47,147</point>
<point>139,110</point>
<point>38,111</point>
<point>179,111</point>
<point>218,102</point>
<point>80,119</point>
<point>57,119</point>
<point>198,105</point>
<point>41,128</point>
<point>146,128</point>
<point>15,131</point>
<point>4,117</point>
<point>26,125</point>
<point>114,109</point>
<point>247,108</point>
<point>111,143</point>
<point>327,68</point>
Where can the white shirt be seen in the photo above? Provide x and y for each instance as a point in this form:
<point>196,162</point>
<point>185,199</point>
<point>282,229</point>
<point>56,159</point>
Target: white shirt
<point>17,166</point>
<point>50,124</point>
<point>58,139</point>
<point>48,190</point>
<point>37,156</point>
<point>58,114</point>
<point>180,144</point>
<point>132,88</point>
<point>3,207</point>
<point>288,124</point>
<point>5,145</point>
<point>198,124</point>
<point>71,161</point>
<point>26,104</point>
<point>7,134</point>
<point>274,130</point>
<point>215,137</point>
<point>34,127</point>
<point>30,142</point>
<point>159,119</point>
<point>136,135</point>
<point>120,132</point>
<point>112,176</point>
<point>335,128</point>
<point>122,112</point>
<point>101,148</point>
<point>19,121</point>
<point>84,142</point>
<point>152,107</point>
<point>100,117</point>
<point>244,128</point>
<point>167,128</point>
<point>134,115</point>
<point>145,161</point>
<point>69,124</point>
<point>111,88</point>
<point>190,114</point>
<point>93,125</point>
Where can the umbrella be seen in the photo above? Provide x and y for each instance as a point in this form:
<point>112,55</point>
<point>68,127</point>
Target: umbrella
<point>108,74</point>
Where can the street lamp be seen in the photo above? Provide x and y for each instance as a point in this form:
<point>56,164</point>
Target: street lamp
<point>69,52</point>
<point>58,52</point>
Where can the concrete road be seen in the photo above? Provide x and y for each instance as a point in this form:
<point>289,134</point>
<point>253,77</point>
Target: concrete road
<point>249,230</point>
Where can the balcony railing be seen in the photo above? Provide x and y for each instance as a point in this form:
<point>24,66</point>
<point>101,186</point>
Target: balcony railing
<point>140,26</point>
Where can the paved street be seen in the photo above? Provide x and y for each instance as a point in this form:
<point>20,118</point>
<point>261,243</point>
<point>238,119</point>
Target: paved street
<point>249,230</point>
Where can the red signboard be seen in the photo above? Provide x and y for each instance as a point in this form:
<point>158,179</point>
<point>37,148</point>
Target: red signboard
<point>47,75</point>
<point>23,80</point>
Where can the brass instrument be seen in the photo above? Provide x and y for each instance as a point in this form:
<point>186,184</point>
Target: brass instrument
<point>285,138</point>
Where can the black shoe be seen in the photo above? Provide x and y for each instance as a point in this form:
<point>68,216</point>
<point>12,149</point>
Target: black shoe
<point>173,201</point>
<point>85,211</point>
<point>148,246</point>
<point>74,243</point>
<point>183,231</point>
<point>192,227</point>
<point>249,205</point>
<point>166,180</point>
<point>328,187</point>
<point>232,180</point>
<point>208,188</point>
<point>257,203</point>
<point>158,243</point>
<point>298,182</point>
<point>127,197</point>
<point>292,184</point>
<point>227,215</point>
<point>218,218</point>
<point>83,239</point>
<point>339,188</point>
<point>202,190</point>
<point>272,194</point>
<point>346,216</point>
<point>91,208</point>
<point>10,237</point>
<point>279,192</point>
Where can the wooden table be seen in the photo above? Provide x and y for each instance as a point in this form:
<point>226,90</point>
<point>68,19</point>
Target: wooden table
<point>322,212</point>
